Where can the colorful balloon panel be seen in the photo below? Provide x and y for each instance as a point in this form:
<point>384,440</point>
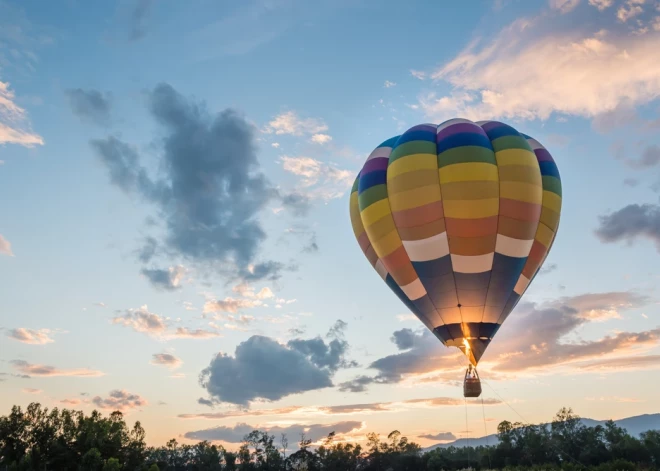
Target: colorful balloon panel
<point>457,219</point>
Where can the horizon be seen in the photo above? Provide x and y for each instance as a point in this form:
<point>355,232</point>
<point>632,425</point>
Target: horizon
<point>175,236</point>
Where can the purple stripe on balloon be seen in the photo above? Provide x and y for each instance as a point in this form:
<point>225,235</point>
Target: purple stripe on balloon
<point>379,163</point>
<point>543,155</point>
<point>424,127</point>
<point>459,128</point>
<point>491,125</point>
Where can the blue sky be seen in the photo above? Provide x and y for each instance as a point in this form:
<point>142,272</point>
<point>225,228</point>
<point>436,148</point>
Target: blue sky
<point>104,105</point>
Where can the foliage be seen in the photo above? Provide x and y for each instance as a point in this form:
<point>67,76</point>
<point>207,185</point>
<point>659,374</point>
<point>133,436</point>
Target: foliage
<point>39,439</point>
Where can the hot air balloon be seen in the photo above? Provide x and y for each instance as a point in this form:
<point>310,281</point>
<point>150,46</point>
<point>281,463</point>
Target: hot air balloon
<point>457,219</point>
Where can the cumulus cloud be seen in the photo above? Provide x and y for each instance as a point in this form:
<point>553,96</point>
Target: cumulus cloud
<point>30,369</point>
<point>14,124</point>
<point>601,4</point>
<point>290,123</point>
<point>320,180</point>
<point>168,280</point>
<point>321,138</point>
<point>119,400</point>
<point>210,191</point>
<point>5,247</point>
<point>507,77</point>
<point>90,105</point>
<point>263,368</point>
<point>236,433</point>
<point>166,359</point>
<point>634,221</point>
<point>146,322</point>
<point>31,336</point>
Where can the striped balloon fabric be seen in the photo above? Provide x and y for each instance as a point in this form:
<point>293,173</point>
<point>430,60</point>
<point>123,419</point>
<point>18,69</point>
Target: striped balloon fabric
<point>458,219</point>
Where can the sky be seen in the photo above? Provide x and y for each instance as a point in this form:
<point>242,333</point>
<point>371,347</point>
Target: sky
<point>175,239</point>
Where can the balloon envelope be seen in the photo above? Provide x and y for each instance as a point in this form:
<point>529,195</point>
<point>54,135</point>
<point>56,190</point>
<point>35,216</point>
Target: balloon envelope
<point>457,219</point>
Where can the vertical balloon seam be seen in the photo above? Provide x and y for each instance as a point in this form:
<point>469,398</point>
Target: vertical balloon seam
<point>497,230</point>
<point>504,315</point>
<point>451,262</point>
<point>404,247</point>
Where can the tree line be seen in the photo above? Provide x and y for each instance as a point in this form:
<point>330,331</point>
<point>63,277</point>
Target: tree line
<point>60,439</point>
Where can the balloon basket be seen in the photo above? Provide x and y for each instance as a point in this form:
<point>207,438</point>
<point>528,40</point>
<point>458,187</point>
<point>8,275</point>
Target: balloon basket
<point>471,383</point>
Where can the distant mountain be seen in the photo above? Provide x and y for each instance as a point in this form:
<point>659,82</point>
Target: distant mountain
<point>634,425</point>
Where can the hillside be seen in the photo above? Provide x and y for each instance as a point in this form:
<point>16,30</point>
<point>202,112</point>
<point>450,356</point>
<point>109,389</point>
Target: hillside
<point>634,425</point>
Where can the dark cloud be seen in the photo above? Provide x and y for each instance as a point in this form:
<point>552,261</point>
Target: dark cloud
<point>209,191</point>
<point>119,400</point>
<point>90,105</point>
<point>168,280</point>
<point>404,339</point>
<point>205,402</point>
<point>545,269</point>
<point>312,246</point>
<point>298,203</point>
<point>236,433</point>
<point>337,330</point>
<point>440,437</point>
<point>629,223</point>
<point>631,182</point>
<point>650,158</point>
<point>138,16</point>
<point>262,368</point>
<point>293,331</point>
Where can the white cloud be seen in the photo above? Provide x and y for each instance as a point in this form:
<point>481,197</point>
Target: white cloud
<point>509,76</point>
<point>321,138</point>
<point>330,181</point>
<point>290,123</point>
<point>14,124</point>
<point>230,304</point>
<point>564,6</point>
<point>418,74</point>
<point>389,84</point>
<point>31,336</point>
<point>601,4</point>
<point>275,144</point>
<point>5,246</point>
<point>630,10</point>
<point>141,320</point>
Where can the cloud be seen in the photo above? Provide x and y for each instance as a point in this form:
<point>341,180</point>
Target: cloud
<point>90,105</point>
<point>631,182</point>
<point>389,84</point>
<point>168,280</point>
<point>290,123</point>
<point>650,158</point>
<point>71,402</point>
<point>263,368</point>
<point>146,322</point>
<point>625,363</point>
<point>138,16</point>
<point>5,247</point>
<point>629,223</point>
<point>297,202</point>
<point>119,400</point>
<point>507,77</point>
<point>564,6</point>
<point>550,267</point>
<point>210,191</point>
<point>343,409</point>
<point>32,391</point>
<point>535,337</point>
<point>321,138</point>
<point>613,399</point>
<point>205,402</point>
<point>31,336</point>
<point>630,10</point>
<point>236,433</point>
<point>30,369</point>
<point>141,320</point>
<point>440,436</point>
<point>418,74</point>
<point>328,181</point>
<point>230,304</point>
<point>601,4</point>
<point>14,124</point>
<point>166,359</point>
